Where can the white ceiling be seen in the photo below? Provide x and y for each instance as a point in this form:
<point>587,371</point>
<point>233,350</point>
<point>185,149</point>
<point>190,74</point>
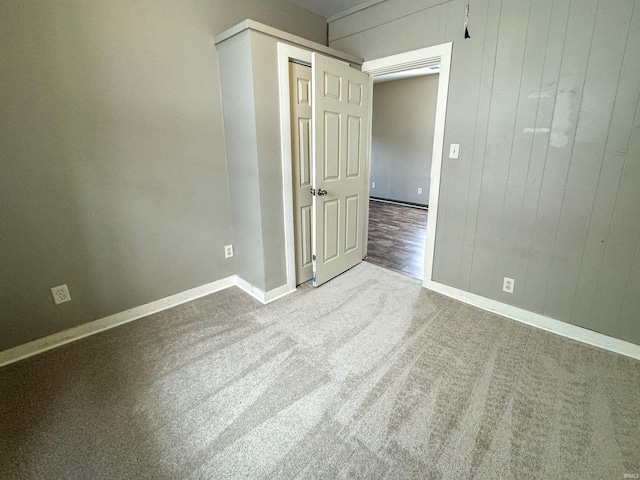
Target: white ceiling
<point>328,8</point>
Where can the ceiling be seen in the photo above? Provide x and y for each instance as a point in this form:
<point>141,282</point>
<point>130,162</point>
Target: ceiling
<point>328,8</point>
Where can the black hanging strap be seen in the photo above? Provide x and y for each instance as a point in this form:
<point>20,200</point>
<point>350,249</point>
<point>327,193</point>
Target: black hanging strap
<point>466,21</point>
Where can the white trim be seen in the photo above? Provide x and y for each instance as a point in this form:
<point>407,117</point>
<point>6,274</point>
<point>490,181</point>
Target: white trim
<point>354,9</point>
<point>50,342</point>
<point>287,37</point>
<point>436,55</point>
<point>423,57</point>
<point>276,293</point>
<point>285,54</point>
<point>261,295</point>
<point>76,333</point>
<point>539,321</point>
<point>436,163</point>
<point>368,170</point>
<point>251,289</point>
<point>397,202</point>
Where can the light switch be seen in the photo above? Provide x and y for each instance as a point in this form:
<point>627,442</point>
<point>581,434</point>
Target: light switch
<point>454,150</point>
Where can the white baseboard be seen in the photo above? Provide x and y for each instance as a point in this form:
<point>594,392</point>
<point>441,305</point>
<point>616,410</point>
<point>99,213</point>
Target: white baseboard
<point>86,329</point>
<point>261,295</point>
<point>277,293</point>
<point>540,321</point>
<point>536,320</point>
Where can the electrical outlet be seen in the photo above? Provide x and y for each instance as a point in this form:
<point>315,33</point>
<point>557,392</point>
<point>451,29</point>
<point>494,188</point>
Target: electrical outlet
<point>60,294</point>
<point>419,191</point>
<point>454,150</point>
<point>228,251</point>
<point>508,284</point>
<point>373,184</point>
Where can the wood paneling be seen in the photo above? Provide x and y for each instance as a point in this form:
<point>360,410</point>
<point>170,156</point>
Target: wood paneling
<point>543,101</point>
<point>558,154</point>
<point>600,85</point>
<point>617,151</point>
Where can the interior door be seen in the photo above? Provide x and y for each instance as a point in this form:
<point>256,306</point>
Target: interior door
<point>340,111</point>
<point>300,95</point>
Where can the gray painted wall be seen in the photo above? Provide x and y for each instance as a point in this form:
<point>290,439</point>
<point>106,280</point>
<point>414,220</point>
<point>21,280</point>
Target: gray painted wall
<point>113,176</point>
<point>236,84</point>
<point>543,100</point>
<point>404,114</point>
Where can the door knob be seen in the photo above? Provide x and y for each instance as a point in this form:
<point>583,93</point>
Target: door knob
<point>321,192</point>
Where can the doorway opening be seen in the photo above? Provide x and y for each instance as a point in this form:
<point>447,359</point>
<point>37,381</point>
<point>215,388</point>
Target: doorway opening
<point>403,124</point>
<point>416,244</point>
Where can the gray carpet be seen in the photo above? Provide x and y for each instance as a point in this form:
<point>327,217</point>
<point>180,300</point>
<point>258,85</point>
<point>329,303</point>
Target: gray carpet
<point>369,376</point>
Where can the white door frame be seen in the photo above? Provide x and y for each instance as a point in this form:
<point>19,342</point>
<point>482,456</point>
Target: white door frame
<point>430,56</point>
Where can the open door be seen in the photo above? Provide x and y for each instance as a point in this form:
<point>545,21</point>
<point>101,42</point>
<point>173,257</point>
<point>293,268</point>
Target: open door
<point>340,111</point>
<point>300,98</point>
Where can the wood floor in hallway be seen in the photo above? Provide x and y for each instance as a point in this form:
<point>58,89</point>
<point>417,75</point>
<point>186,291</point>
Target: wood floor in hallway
<point>397,235</point>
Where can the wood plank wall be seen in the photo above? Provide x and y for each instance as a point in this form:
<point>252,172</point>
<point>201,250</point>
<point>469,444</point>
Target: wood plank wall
<point>543,100</point>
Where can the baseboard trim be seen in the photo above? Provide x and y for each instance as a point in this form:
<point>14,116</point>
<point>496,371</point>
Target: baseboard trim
<point>539,321</point>
<point>402,203</point>
<point>261,295</point>
<point>276,293</point>
<point>49,342</point>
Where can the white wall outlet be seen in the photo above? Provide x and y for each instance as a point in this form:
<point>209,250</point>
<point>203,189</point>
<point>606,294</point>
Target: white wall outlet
<point>419,191</point>
<point>373,184</point>
<point>60,294</point>
<point>454,150</point>
<point>228,251</point>
<point>508,284</point>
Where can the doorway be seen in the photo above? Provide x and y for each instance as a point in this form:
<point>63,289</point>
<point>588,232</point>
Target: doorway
<point>422,60</point>
<point>403,124</point>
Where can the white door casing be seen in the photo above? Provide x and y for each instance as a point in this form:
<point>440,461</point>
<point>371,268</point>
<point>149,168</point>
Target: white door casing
<point>340,133</point>
<point>300,88</point>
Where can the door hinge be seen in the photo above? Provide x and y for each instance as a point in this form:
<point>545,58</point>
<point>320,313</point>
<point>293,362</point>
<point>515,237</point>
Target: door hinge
<point>313,191</point>
<point>313,257</point>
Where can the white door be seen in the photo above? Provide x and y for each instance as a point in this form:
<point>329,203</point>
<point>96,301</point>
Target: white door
<point>300,95</point>
<point>340,112</point>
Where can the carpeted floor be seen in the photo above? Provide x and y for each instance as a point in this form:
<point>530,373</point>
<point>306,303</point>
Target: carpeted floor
<point>369,376</point>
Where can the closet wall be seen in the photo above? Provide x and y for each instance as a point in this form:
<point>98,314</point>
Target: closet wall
<point>250,96</point>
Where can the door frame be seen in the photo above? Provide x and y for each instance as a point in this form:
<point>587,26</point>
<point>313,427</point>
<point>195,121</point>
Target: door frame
<point>430,56</point>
